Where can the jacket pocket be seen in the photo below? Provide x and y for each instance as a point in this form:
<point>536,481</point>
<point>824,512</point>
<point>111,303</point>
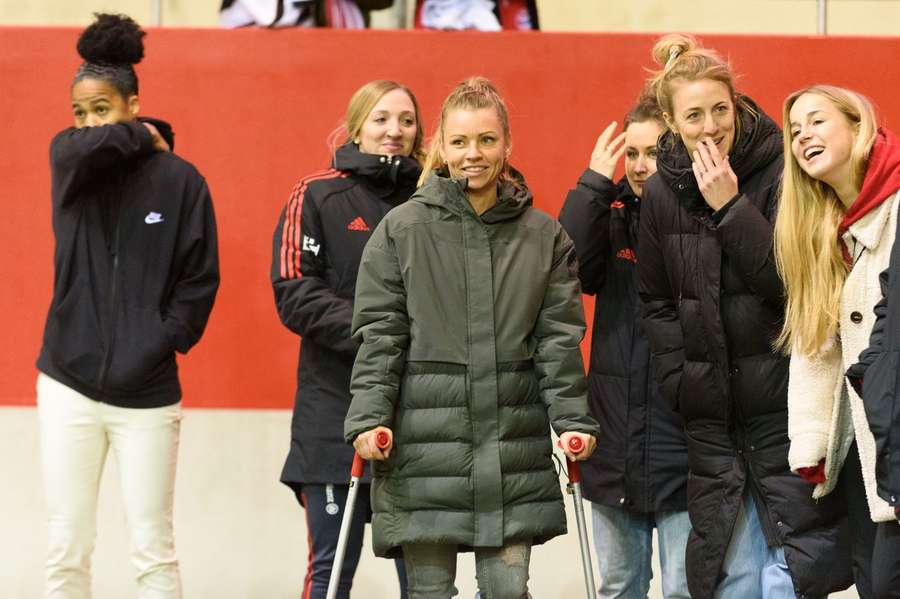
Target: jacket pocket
<point>73,335</point>
<point>517,383</point>
<point>141,351</point>
<point>521,411</point>
<point>608,404</point>
<point>432,408</point>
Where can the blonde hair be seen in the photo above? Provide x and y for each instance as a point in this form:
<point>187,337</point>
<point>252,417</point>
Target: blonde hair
<point>807,249</point>
<point>681,57</point>
<point>361,104</point>
<point>473,93</point>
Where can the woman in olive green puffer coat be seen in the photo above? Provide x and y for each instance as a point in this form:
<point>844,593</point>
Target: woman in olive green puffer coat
<point>469,312</point>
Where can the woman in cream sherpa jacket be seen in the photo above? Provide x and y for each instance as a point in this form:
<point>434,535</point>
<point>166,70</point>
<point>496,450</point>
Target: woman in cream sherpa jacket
<point>825,414</point>
<point>833,237</point>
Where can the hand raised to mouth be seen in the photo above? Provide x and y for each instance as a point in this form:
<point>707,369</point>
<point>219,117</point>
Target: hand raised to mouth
<point>717,182</point>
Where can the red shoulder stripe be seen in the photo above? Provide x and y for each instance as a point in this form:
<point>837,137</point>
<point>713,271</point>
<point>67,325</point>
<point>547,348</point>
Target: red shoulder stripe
<point>291,239</point>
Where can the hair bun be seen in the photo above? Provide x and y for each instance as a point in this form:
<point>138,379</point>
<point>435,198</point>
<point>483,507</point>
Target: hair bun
<point>479,84</point>
<point>112,39</point>
<point>670,46</point>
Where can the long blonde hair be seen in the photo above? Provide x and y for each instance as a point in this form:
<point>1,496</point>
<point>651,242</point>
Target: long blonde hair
<point>473,93</point>
<point>361,104</point>
<point>807,249</point>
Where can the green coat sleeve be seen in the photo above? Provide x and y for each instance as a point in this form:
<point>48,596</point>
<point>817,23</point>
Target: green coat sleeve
<point>381,325</point>
<point>558,333</point>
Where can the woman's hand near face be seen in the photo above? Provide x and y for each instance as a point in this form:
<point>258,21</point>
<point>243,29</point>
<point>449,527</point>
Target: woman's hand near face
<point>589,442</point>
<point>607,153</point>
<point>367,447</point>
<point>158,142</point>
<point>717,182</point>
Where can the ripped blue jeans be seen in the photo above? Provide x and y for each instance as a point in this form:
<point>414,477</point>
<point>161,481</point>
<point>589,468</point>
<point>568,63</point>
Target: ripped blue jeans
<point>502,572</point>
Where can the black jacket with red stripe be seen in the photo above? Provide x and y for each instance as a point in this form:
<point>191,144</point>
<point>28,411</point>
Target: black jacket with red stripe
<point>136,264</point>
<point>641,460</point>
<point>316,250</point>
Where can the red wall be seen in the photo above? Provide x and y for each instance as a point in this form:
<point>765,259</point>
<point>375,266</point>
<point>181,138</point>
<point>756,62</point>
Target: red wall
<point>252,109</point>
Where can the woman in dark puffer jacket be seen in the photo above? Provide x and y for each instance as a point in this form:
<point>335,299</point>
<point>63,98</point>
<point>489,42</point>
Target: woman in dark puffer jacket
<point>713,305</point>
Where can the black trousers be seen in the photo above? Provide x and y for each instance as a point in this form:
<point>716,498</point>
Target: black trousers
<point>324,510</point>
<point>886,561</point>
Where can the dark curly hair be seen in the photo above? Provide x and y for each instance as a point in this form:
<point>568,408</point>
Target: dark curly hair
<point>645,109</point>
<point>110,47</point>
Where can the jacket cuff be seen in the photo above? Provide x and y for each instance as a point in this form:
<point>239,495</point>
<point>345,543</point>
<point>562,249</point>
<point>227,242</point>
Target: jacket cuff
<point>179,339</point>
<point>357,427</point>
<point>856,382</point>
<point>365,413</point>
<point>597,182</point>
<point>577,424</point>
<point>719,214</point>
<point>807,450</point>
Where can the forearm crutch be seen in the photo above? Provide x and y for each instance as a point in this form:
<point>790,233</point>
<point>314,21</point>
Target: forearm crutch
<point>382,441</point>
<point>574,488</point>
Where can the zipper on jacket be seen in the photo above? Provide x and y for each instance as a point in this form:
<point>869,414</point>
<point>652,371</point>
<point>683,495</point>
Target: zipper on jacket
<point>627,501</point>
<point>753,486</point>
<point>765,516</point>
<point>113,293</point>
<point>649,496</point>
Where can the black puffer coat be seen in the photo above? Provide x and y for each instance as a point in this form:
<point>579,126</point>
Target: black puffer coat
<point>713,304</point>
<point>641,461</point>
<point>875,378</point>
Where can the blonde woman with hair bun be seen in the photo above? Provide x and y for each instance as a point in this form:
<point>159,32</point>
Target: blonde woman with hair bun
<point>469,314</point>
<point>713,303</point>
<point>834,238</point>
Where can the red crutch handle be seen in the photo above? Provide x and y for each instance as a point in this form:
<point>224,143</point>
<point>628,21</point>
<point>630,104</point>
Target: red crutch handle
<point>576,444</point>
<point>359,464</point>
<point>382,441</point>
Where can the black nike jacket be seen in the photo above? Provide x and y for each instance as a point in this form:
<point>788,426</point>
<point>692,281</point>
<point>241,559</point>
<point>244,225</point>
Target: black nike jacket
<point>136,264</point>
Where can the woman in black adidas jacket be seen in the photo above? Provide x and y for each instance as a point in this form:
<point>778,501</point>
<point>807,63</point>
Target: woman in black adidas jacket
<point>136,274</point>
<point>636,478</point>
<point>316,250</point>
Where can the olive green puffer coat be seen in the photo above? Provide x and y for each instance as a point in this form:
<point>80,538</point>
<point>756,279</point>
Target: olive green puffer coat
<point>470,329</point>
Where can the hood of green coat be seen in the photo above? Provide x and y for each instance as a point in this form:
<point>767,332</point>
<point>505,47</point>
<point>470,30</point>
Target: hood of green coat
<point>444,191</point>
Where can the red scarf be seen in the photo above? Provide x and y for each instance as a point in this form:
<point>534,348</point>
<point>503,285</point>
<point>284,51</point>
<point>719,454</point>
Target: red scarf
<point>881,180</point>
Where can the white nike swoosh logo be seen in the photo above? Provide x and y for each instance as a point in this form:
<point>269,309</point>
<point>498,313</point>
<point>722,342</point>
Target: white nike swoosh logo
<point>153,218</point>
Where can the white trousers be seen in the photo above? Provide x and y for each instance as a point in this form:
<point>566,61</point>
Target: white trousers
<point>76,433</point>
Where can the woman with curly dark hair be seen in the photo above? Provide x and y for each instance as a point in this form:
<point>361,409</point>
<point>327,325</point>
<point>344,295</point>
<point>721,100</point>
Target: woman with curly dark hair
<point>136,274</point>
